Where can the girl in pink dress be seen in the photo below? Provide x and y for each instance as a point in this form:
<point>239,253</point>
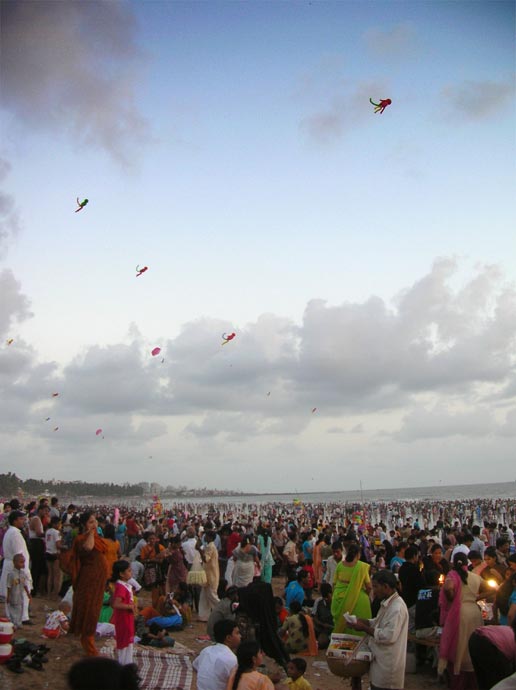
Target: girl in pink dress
<point>123,611</point>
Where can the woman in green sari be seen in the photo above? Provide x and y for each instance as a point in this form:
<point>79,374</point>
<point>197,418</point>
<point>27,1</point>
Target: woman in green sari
<point>351,587</point>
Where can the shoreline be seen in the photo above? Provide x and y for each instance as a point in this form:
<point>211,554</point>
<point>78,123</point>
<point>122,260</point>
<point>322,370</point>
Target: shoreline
<point>505,491</point>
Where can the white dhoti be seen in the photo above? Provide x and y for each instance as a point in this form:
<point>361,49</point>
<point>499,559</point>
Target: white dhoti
<point>8,567</point>
<point>15,614</point>
<point>229,571</point>
<point>207,602</point>
<point>125,655</point>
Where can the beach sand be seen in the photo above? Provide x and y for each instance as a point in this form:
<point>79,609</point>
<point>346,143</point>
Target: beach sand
<point>66,650</point>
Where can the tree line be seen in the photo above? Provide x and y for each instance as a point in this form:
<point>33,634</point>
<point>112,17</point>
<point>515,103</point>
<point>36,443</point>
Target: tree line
<point>11,485</point>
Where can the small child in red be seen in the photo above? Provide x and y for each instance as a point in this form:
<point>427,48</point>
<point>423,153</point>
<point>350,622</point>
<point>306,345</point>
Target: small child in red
<point>281,611</point>
<point>123,611</point>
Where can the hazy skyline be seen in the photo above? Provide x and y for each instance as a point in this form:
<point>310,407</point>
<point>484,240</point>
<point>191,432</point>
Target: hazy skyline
<point>366,262</point>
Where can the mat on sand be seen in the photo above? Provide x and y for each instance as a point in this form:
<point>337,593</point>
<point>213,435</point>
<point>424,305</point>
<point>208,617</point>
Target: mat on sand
<point>157,670</point>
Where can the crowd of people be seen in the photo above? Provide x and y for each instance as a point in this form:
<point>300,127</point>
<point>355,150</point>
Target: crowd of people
<point>439,577</point>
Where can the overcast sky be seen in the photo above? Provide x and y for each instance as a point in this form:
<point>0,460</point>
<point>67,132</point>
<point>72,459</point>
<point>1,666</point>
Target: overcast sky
<point>366,262</point>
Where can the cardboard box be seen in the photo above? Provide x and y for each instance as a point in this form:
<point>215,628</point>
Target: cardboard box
<point>342,646</point>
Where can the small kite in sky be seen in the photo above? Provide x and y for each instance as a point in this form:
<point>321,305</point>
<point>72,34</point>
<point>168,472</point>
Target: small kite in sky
<point>155,351</point>
<point>380,107</point>
<point>227,338</point>
<point>47,419</point>
<point>10,341</point>
<point>268,394</point>
<point>139,270</point>
<point>54,395</point>
<point>314,410</point>
<point>81,204</point>
<point>56,428</point>
<point>163,360</point>
<point>99,433</point>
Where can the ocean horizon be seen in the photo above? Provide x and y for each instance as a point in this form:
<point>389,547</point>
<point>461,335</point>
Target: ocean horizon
<point>501,490</point>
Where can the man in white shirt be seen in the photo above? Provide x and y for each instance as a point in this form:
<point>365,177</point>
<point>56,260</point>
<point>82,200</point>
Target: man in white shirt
<point>464,545</point>
<point>136,552</point>
<point>290,557</point>
<point>189,545</point>
<point>215,663</point>
<point>54,507</point>
<point>477,543</point>
<point>387,634</point>
<point>332,563</point>
<point>13,544</point>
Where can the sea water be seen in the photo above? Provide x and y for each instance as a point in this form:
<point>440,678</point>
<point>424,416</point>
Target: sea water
<point>505,490</point>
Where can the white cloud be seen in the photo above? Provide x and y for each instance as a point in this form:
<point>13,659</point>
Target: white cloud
<point>440,422</point>
<point>74,67</point>
<point>399,41</point>
<point>14,305</point>
<point>508,428</point>
<point>9,216</point>
<point>478,100</point>
<point>421,364</point>
<point>341,111</point>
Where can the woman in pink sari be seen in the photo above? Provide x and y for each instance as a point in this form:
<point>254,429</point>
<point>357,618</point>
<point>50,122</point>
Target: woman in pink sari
<point>460,616</point>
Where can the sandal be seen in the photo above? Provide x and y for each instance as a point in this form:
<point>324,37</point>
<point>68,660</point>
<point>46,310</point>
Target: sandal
<point>15,666</point>
<point>35,664</point>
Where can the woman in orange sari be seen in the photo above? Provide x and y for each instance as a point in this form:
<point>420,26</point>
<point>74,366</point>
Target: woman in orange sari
<point>88,568</point>
<point>153,558</point>
<point>113,552</point>
<point>317,558</point>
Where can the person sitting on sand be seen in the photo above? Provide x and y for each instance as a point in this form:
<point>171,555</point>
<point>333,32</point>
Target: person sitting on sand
<point>294,630</point>
<point>224,610</point>
<point>296,680</point>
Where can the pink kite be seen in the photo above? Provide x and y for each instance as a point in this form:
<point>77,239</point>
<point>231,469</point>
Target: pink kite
<point>139,270</point>
<point>227,338</point>
<point>98,432</point>
<point>156,351</point>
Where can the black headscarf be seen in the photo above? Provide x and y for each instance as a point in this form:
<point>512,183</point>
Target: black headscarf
<point>257,601</point>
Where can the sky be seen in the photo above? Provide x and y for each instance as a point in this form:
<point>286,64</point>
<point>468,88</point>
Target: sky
<point>366,262</point>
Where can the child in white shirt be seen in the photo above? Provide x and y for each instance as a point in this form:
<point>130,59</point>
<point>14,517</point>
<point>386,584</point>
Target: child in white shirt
<point>17,585</point>
<point>53,541</point>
